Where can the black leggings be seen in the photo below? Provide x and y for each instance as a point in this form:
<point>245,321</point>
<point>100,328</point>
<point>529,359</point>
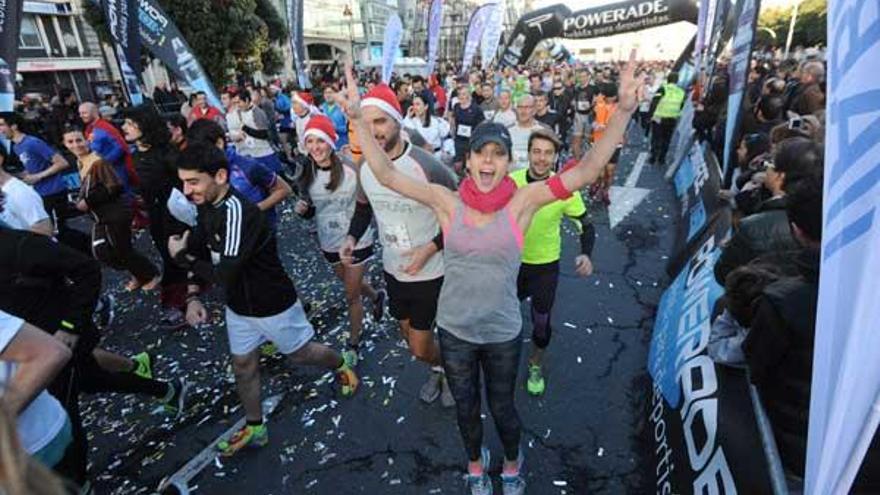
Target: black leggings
<point>83,374</point>
<point>661,134</point>
<point>120,254</point>
<point>462,362</point>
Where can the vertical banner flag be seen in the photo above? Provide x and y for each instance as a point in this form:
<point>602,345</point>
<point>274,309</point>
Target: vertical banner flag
<point>701,33</point>
<point>159,35</point>
<point>10,22</point>
<point>390,45</point>
<point>492,35</point>
<point>739,73</point>
<point>297,46</point>
<point>435,19</point>
<point>126,45</point>
<point>845,398</point>
<point>474,34</point>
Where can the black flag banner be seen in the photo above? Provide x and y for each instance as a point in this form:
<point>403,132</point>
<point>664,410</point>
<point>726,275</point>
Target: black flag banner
<point>123,26</point>
<point>558,21</point>
<point>10,21</point>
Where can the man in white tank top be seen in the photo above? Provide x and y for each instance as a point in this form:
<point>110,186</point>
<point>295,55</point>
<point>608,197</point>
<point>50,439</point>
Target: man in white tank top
<point>410,237</point>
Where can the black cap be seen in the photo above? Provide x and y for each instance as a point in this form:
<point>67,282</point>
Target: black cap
<point>490,132</point>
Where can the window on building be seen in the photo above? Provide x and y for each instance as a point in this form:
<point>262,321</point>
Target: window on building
<point>29,37</point>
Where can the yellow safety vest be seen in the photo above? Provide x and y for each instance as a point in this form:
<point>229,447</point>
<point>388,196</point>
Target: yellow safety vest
<point>669,106</point>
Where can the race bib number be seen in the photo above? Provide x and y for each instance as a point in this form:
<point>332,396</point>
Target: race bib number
<point>215,258</point>
<point>332,225</point>
<point>583,106</point>
<point>464,131</point>
<point>397,237</point>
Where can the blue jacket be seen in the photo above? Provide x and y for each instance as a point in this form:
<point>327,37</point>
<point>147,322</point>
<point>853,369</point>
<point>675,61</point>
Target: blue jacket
<point>340,123</point>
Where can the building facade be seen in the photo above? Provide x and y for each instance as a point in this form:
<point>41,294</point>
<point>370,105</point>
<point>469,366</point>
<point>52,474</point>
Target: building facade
<point>58,49</point>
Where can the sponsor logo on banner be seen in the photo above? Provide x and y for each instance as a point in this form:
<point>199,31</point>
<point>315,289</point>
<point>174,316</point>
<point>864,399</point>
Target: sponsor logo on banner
<point>475,33</point>
<point>126,46</point>
<point>558,21</point>
<point>492,35</point>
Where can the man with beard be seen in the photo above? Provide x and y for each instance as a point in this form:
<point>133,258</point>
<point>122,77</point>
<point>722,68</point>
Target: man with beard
<point>410,237</point>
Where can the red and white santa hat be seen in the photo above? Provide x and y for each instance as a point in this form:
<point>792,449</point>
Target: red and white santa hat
<point>383,97</point>
<point>320,126</point>
<point>304,97</point>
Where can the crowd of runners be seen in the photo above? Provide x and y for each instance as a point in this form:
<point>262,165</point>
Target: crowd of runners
<point>464,182</point>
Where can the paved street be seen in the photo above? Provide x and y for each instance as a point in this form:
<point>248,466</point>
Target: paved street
<point>587,435</point>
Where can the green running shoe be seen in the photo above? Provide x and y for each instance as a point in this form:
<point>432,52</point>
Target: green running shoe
<point>248,436</point>
<point>351,357</point>
<point>535,385</point>
<point>143,365</point>
<point>269,349</point>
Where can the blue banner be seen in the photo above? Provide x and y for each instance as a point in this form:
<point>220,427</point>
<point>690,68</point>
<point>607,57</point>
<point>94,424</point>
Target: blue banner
<point>739,73</point>
<point>297,45</point>
<point>162,38</point>
<point>393,33</point>
<point>10,23</point>
<point>435,19</point>
<point>126,45</point>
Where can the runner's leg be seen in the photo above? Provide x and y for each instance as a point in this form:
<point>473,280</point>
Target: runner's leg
<point>500,363</point>
<point>247,383</point>
<point>461,363</point>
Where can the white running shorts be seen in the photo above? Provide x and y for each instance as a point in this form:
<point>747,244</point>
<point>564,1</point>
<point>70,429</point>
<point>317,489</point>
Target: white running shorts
<point>289,330</point>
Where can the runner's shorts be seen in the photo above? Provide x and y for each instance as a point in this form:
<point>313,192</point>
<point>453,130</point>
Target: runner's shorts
<point>289,330</point>
<point>359,256</point>
<point>582,125</point>
<point>414,301</point>
<point>538,282</point>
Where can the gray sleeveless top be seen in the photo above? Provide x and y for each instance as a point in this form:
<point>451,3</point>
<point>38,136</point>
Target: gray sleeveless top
<point>478,301</point>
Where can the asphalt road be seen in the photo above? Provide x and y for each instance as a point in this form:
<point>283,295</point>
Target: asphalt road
<point>586,435</point>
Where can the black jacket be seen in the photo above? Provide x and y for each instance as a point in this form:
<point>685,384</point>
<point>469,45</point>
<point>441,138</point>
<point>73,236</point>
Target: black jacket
<point>762,233</point>
<point>157,171</point>
<point>244,257</point>
<point>779,352</point>
<point>43,282</point>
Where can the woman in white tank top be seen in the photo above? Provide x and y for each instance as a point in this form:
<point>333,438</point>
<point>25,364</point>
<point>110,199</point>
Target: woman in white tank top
<point>334,197</point>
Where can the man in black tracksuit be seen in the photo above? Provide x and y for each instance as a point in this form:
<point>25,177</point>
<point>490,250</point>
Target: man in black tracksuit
<point>261,302</point>
<point>55,288</point>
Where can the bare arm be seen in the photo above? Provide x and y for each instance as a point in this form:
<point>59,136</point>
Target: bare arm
<point>439,198</point>
<point>278,193</point>
<point>39,357</point>
<point>43,227</point>
<point>530,198</point>
<point>59,164</point>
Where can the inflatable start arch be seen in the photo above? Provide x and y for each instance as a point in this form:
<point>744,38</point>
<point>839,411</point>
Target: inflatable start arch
<point>558,21</point>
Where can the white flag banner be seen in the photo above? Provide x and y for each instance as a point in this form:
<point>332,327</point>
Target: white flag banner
<point>393,33</point>
<point>845,400</point>
<point>492,36</point>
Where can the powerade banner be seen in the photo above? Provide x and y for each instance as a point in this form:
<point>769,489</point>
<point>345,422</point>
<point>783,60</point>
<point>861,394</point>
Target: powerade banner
<point>558,21</point>
<point>739,73</point>
<point>126,46</point>
<point>697,183</point>
<point>492,36</point>
<point>475,33</point>
<point>435,18</point>
<point>682,138</point>
<point>162,38</point>
<point>297,46</point>
<point>705,432</point>
<point>10,23</point>
<point>393,33</point>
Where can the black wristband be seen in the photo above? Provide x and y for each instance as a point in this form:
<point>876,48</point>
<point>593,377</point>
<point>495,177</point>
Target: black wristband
<point>438,240</point>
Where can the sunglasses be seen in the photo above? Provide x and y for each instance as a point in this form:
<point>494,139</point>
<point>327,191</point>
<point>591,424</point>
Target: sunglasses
<point>559,88</point>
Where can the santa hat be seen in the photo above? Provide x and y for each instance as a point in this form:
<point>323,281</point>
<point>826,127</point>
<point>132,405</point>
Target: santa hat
<point>383,97</point>
<point>304,97</point>
<point>321,127</point>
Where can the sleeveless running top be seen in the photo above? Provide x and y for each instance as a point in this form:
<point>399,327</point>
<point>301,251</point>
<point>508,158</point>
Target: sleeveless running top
<point>478,301</point>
